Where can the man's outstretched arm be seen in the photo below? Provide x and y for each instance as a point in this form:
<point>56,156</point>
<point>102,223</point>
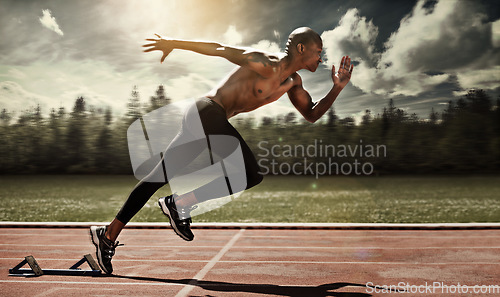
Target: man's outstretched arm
<point>302,101</point>
<point>260,62</point>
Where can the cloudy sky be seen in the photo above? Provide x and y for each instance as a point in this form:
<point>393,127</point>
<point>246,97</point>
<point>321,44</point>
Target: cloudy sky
<point>420,53</point>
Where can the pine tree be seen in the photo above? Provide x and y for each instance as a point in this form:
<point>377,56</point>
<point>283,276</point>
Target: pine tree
<point>61,113</point>
<point>391,110</point>
<point>386,123</point>
<point>55,149</point>
<point>5,117</point>
<point>133,106</point>
<point>449,112</point>
<point>36,140</point>
<point>433,117</point>
<point>76,144</point>
<point>104,158</point>
<point>331,118</point>
<point>291,118</point>
<point>159,100</point>
<point>6,144</point>
<point>367,118</point>
<point>478,101</point>
<point>267,121</point>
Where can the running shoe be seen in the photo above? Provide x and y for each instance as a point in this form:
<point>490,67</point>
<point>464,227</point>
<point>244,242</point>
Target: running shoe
<point>180,220</point>
<point>105,248</point>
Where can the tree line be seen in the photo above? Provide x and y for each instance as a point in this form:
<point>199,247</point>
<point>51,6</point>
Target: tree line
<point>464,138</point>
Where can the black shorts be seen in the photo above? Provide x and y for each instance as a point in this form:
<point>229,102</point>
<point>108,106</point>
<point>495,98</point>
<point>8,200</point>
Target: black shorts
<point>192,140</point>
<point>214,120</point>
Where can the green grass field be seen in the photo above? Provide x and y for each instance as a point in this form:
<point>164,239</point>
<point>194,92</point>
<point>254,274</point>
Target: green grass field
<point>415,199</point>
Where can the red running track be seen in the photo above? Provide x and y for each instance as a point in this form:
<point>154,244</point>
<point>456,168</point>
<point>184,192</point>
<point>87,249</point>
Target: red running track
<point>256,262</point>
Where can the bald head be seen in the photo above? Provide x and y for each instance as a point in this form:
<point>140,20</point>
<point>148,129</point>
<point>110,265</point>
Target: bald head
<point>303,35</point>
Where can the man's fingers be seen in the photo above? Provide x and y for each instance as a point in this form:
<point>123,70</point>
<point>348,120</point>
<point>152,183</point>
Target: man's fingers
<point>352,67</point>
<point>149,44</point>
<point>163,58</point>
<point>346,62</point>
<point>149,50</point>
<point>158,36</point>
<point>342,62</point>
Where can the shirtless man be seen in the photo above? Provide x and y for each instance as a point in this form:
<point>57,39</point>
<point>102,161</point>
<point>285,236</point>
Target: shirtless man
<point>259,79</point>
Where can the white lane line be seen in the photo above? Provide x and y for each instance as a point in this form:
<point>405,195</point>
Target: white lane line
<point>188,288</point>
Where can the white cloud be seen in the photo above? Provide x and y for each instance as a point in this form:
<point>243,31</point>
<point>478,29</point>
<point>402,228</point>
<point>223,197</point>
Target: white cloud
<point>54,85</point>
<point>495,33</point>
<point>49,22</point>
<point>451,34</point>
<point>354,36</point>
<point>429,47</point>
<point>192,85</point>
<point>15,98</point>
<point>92,97</point>
<point>267,46</point>
<point>277,34</point>
<point>232,37</point>
<point>14,73</point>
<point>483,78</point>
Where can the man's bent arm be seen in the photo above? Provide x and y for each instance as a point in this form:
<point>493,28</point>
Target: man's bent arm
<point>303,102</point>
<point>260,62</point>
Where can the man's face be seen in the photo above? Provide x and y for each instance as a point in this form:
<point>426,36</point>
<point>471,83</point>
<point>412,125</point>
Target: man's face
<point>312,55</point>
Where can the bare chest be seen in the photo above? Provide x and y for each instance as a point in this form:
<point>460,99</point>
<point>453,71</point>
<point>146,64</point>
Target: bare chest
<point>271,88</point>
<point>245,91</point>
<point>262,92</point>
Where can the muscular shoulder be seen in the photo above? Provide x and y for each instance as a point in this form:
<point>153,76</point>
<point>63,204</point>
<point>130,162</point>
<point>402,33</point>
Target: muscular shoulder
<point>266,59</point>
<point>297,80</point>
<point>296,87</point>
<point>263,63</point>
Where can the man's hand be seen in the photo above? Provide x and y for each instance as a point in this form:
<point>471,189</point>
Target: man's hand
<point>159,44</point>
<point>343,76</point>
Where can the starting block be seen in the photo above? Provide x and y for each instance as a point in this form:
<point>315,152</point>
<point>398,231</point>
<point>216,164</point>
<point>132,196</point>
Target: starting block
<point>35,269</point>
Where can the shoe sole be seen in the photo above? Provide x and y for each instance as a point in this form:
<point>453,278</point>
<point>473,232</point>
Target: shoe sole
<point>166,212</point>
<point>95,241</point>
